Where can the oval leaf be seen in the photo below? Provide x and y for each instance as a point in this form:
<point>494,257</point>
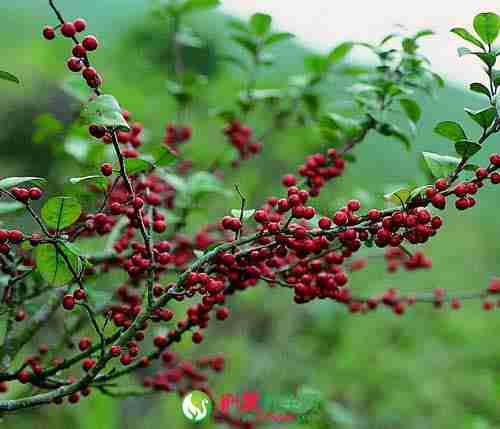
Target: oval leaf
<point>411,108</point>
<point>450,130</point>
<point>260,23</point>
<point>8,76</point>
<point>440,165</point>
<point>61,212</point>
<point>246,213</point>
<point>137,165</point>
<point>464,34</point>
<point>9,182</point>
<point>52,266</point>
<point>483,117</point>
<point>98,181</point>
<point>466,148</point>
<point>104,110</point>
<point>487,26</point>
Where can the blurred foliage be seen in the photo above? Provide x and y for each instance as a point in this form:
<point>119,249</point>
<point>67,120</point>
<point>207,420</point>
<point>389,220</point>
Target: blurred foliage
<point>430,368</point>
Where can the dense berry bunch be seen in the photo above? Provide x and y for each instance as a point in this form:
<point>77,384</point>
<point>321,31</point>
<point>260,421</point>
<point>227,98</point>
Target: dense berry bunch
<point>241,138</point>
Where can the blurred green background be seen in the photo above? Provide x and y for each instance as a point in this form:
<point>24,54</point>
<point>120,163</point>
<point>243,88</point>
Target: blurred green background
<point>428,369</point>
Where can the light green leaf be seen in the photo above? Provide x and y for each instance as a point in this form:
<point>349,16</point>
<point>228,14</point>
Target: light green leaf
<point>246,213</point>
<point>338,53</point>
<point>8,76</point>
<point>467,148</point>
<point>104,110</point>
<point>137,165</point>
<point>195,5</point>
<point>277,37</point>
<point>487,26</point>
<point>450,130</point>
<point>260,23</point>
<point>484,117</point>
<point>163,157</point>
<point>51,265</point>
<point>398,196</point>
<point>440,165</point>
<point>7,207</point>
<point>465,35</point>
<point>10,182</point>
<point>61,212</point>
<point>98,181</point>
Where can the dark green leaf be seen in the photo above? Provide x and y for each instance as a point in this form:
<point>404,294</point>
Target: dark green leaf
<point>409,46</point>
<point>487,58</point>
<point>450,130</point>
<point>339,52</point>
<point>464,34</point>
<point>484,117</point>
<point>440,165</point>
<point>260,23</point>
<point>61,212</point>
<point>8,76</point>
<point>246,43</point>
<point>423,33</point>
<point>393,131</point>
<point>10,182</point>
<point>316,64</point>
<point>52,266</point>
<point>480,88</point>
<point>487,26</point>
<point>104,110</point>
<point>137,165</point>
<point>277,37</point>
<point>467,148</point>
<point>411,108</point>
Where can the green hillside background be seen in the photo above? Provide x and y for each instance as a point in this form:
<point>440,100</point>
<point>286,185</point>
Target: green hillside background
<point>428,369</point>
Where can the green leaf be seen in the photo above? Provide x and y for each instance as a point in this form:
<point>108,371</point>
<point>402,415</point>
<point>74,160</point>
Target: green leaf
<point>260,23</point>
<point>137,165</point>
<point>163,156</point>
<point>104,110</point>
<point>51,265</point>
<point>61,212</point>
<point>98,181</point>
<point>10,182</point>
<point>418,191</point>
<point>188,38</point>
<point>203,183</point>
<point>411,108</point>
<point>398,196</point>
<point>480,88</point>
<point>316,64</point>
<point>423,33</point>
<point>465,35</point>
<point>440,165</point>
<point>467,148</point>
<point>464,51</point>
<point>276,38</point>
<point>195,5</point>
<point>46,127</point>
<point>450,130</point>
<point>487,26</point>
<point>7,207</point>
<point>338,53</point>
<point>8,76</point>
<point>488,58</point>
<point>484,117</point>
<point>246,213</point>
<point>246,43</point>
<point>394,131</point>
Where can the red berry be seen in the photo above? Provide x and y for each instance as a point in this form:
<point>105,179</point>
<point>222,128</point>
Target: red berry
<point>88,363</point>
<point>495,159</point>
<point>84,343</point>
<point>68,29</point>
<point>68,302</point>
<point>79,24</point>
<point>75,64</point>
<point>90,43</point>
<point>35,193</point>
<point>48,32</point>
<point>462,204</point>
<point>197,337</point>
<point>439,201</point>
<point>74,398</point>
<point>288,180</point>
<point>159,226</point>
<point>97,131</point>
<point>325,223</point>
<point>441,184</point>
<point>340,218</point>
<point>115,351</point>
<point>353,205</point>
<point>16,236</point>
<point>79,51</point>
<point>261,216</point>
<point>20,315</point>
<point>89,73</point>
<point>106,169</point>
<point>126,359</point>
<point>24,376</point>
<point>456,304</point>
<point>222,313</point>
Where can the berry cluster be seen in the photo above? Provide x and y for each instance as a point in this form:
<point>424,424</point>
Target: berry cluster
<point>175,135</point>
<point>240,137</point>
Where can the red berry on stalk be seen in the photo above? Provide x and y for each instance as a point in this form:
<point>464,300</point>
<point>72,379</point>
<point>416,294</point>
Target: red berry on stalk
<point>159,226</point>
<point>48,32</point>
<point>89,73</point>
<point>97,131</point>
<point>79,51</point>
<point>35,193</point>
<point>106,169</point>
<point>68,29</point>
<point>23,376</point>
<point>84,343</point>
<point>222,313</point>
<point>16,236</point>
<point>90,43</point>
<point>88,363</point>
<point>80,294</point>
<point>20,315</point>
<point>340,218</point>
<point>197,337</point>
<point>115,351</point>
<point>75,64</point>
<point>68,302</point>
<point>80,24</point>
